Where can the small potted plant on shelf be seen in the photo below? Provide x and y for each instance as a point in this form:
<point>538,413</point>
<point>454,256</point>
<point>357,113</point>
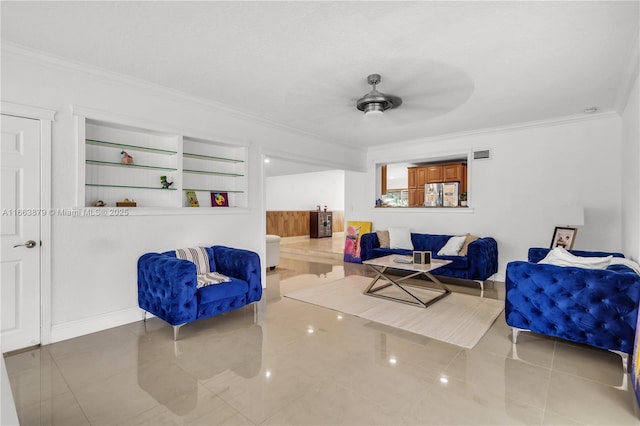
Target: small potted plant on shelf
<point>463,199</point>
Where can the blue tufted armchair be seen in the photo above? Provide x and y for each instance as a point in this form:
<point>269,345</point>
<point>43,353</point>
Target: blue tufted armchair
<point>167,286</point>
<point>594,307</point>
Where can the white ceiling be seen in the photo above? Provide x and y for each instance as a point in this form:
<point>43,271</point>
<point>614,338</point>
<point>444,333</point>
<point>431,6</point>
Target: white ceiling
<point>459,66</point>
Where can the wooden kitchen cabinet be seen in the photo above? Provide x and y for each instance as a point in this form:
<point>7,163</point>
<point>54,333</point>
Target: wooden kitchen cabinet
<point>416,197</point>
<point>434,174</point>
<point>453,172</point>
<point>416,190</point>
<point>418,176</point>
<point>422,177</point>
<point>412,175</point>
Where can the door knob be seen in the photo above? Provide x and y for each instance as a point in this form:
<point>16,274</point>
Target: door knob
<point>28,244</point>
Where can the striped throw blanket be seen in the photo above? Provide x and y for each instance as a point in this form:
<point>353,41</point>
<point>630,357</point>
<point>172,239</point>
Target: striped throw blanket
<point>200,257</point>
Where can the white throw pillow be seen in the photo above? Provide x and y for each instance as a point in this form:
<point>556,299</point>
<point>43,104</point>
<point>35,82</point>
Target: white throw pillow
<point>453,246</point>
<point>561,257</point>
<point>400,238</point>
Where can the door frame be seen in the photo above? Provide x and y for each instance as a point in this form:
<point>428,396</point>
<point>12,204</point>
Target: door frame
<point>46,118</point>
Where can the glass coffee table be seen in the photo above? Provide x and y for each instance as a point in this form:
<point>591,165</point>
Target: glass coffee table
<point>381,264</point>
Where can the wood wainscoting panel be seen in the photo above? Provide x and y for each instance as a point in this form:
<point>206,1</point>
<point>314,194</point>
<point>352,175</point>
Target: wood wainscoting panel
<point>338,221</point>
<point>294,223</point>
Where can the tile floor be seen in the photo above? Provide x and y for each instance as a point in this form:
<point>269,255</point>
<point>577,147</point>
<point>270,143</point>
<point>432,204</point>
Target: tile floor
<point>297,364</point>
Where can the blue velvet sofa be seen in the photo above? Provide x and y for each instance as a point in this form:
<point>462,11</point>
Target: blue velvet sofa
<point>167,286</point>
<point>595,307</point>
<point>480,263</point>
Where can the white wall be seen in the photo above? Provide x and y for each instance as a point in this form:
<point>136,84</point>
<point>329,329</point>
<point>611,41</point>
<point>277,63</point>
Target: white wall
<point>94,259</point>
<point>305,191</point>
<point>513,195</point>
<point>533,170</point>
<point>631,174</point>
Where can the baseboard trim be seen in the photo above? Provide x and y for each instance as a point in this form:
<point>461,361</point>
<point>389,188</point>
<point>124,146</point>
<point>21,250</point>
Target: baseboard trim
<point>78,328</point>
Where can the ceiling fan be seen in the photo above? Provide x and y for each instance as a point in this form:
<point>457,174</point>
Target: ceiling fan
<point>429,89</point>
<point>374,102</point>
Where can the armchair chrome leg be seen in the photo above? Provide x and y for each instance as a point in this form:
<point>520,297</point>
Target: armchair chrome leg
<point>515,332</point>
<point>176,329</point>
<point>625,360</point>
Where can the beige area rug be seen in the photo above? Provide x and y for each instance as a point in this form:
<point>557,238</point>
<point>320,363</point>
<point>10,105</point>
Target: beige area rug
<point>458,319</point>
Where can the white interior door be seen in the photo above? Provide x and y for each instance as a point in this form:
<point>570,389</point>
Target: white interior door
<point>20,231</point>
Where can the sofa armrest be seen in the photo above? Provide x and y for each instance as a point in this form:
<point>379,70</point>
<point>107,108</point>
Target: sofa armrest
<point>598,307</point>
<point>241,264</point>
<point>167,287</point>
<point>483,258</point>
<point>368,242</point>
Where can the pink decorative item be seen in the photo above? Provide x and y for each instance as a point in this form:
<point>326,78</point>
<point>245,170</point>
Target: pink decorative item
<point>125,158</point>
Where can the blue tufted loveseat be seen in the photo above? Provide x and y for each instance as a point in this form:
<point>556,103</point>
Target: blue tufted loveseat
<point>480,263</point>
<point>167,286</point>
<point>595,307</point>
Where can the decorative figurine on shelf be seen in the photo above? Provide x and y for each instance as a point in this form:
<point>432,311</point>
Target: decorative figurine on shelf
<point>165,184</point>
<point>126,203</point>
<point>99,203</point>
<point>193,199</point>
<point>125,158</point>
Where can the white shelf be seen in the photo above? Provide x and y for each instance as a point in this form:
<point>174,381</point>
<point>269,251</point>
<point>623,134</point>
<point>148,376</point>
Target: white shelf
<point>209,167</point>
<point>130,147</point>
<point>206,166</point>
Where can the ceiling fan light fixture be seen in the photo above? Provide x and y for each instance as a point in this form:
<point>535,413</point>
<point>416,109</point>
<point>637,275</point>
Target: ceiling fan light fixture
<point>374,109</point>
<point>376,102</point>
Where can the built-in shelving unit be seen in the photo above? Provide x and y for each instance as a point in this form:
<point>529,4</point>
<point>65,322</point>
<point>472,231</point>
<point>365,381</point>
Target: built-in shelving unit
<point>189,164</point>
<point>214,168</point>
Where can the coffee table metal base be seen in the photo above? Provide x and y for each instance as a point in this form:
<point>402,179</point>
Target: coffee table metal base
<point>415,301</point>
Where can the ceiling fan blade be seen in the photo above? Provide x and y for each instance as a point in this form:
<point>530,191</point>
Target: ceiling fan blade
<point>431,91</point>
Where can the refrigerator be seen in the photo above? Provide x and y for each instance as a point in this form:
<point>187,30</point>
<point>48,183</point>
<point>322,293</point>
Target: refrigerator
<point>441,194</point>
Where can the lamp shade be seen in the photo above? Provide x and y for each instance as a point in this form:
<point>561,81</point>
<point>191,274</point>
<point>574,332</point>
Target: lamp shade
<point>570,215</point>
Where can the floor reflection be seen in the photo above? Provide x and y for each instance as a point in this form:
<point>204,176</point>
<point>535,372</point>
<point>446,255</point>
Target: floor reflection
<point>288,362</point>
<point>173,375</point>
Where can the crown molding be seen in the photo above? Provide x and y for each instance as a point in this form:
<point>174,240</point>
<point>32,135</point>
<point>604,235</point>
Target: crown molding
<point>62,63</point>
<point>560,121</point>
<point>312,160</point>
<point>133,122</point>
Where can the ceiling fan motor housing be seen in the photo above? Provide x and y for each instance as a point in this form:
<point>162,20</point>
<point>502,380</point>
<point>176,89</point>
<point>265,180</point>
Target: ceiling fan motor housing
<point>377,101</point>
<point>374,79</point>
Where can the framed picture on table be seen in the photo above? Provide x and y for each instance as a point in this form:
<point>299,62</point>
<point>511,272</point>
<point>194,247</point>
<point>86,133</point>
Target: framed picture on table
<point>564,237</point>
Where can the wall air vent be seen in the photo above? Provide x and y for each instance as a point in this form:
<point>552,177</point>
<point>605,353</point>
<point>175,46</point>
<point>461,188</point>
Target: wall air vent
<point>482,155</point>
